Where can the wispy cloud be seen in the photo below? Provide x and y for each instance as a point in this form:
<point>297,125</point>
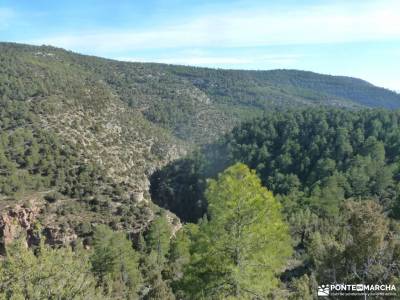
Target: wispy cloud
<point>351,21</point>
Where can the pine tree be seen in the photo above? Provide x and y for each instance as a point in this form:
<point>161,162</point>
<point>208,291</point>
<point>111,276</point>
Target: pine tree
<point>115,263</point>
<point>51,274</point>
<point>243,247</point>
<point>158,238</point>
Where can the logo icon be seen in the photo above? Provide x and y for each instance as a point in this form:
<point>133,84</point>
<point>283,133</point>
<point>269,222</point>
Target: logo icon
<point>359,287</point>
<point>323,290</point>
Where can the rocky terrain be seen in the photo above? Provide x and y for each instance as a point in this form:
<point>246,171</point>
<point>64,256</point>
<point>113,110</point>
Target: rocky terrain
<point>125,121</point>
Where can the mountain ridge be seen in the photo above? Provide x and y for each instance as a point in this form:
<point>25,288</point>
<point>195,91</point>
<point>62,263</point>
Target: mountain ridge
<point>143,115</point>
<point>127,120</point>
<point>89,146</point>
<point>300,86</point>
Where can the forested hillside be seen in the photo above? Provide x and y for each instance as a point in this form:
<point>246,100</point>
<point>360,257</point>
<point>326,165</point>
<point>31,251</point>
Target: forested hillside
<point>195,104</point>
<point>307,154</point>
<point>336,174</point>
<point>135,180</point>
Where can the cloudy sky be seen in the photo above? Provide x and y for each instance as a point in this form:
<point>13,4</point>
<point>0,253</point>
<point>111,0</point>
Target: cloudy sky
<point>358,38</point>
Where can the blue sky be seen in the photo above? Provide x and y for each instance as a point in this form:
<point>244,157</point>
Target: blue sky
<point>358,38</point>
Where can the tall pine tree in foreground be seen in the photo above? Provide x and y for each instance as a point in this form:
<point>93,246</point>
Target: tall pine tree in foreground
<point>245,245</point>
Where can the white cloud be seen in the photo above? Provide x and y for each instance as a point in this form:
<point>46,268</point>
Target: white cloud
<point>329,23</point>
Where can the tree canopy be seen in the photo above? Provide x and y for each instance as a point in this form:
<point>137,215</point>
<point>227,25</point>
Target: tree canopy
<point>245,244</point>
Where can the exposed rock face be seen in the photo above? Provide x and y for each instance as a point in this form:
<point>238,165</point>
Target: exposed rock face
<point>174,222</point>
<point>38,221</point>
<point>57,236</point>
<point>137,196</point>
<point>17,221</point>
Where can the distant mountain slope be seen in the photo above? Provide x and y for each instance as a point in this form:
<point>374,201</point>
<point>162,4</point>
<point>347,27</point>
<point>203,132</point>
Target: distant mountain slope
<point>80,135</point>
<point>278,87</point>
<point>72,103</point>
<point>194,104</point>
<point>71,148</point>
<point>355,89</point>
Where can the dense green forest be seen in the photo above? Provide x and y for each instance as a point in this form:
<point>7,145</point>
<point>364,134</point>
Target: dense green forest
<point>148,181</point>
<point>304,154</point>
<point>336,175</point>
